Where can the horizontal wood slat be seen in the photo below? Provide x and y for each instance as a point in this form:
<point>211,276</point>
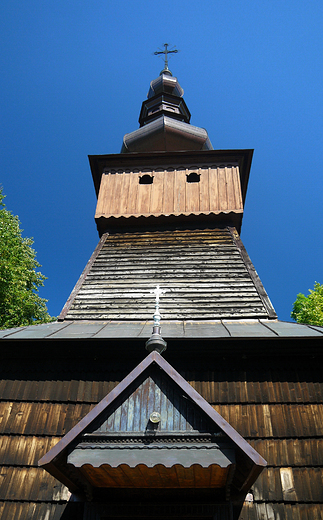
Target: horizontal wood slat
<point>41,418</point>
<point>252,421</point>
<point>221,386</point>
<point>290,485</point>
<point>290,452</point>
<point>277,421</point>
<point>30,484</point>
<point>281,511</point>
<point>15,510</point>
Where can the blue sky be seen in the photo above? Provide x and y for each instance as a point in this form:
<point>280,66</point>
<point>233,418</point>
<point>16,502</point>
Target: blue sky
<point>74,75</point>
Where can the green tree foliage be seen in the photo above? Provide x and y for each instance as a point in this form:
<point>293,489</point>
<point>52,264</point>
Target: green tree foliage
<point>19,281</point>
<point>309,309</point>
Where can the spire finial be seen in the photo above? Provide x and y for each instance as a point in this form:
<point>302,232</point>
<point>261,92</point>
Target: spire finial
<point>156,342</point>
<point>166,52</point>
<point>158,292</point>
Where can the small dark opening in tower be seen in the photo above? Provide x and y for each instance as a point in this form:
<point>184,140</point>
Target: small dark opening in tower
<point>146,179</point>
<point>193,177</point>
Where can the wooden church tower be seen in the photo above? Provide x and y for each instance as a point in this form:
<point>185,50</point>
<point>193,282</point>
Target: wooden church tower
<point>224,424</point>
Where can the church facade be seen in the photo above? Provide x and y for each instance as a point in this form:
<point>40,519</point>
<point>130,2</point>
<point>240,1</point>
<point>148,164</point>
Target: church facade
<point>99,420</point>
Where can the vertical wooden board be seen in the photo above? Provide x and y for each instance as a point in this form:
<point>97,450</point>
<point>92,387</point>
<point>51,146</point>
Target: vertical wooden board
<point>124,415</point>
<point>202,478</point>
<point>204,189</point>
<point>163,409</point>
<point>206,386</point>
<point>317,394</point>
<point>223,391</point>
<point>254,424</point>
<point>244,389</point>
<point>292,416</point>
<point>133,194</point>
<point>190,417</point>
<point>271,388</point>
<point>169,192</point>
<point>157,193</point>
<point>230,189</point>
<point>249,512</point>
<point>102,205</point>
<point>119,476</point>
<point>214,204</point>
<point>238,417</point>
<point>307,430</point>
<point>307,391</point>
<point>170,408</point>
<point>283,455</point>
<point>144,404</point>
<point>278,392</point>
<point>177,415</point>
<point>267,422</point>
<point>123,477</point>
<point>222,183</point>
<point>109,205</point>
<point>116,424</point>
<point>140,475</point>
<point>192,195</point>
<point>163,475</point>
<point>184,403</point>
<point>218,476</point>
<point>123,194</point>
<point>53,419</point>
<point>170,474</point>
<point>115,201</point>
<point>316,414</point>
<point>287,484</point>
<point>137,401</point>
<point>143,202</point>
<point>185,476</point>
<point>158,393</point>
<point>179,192</point>
<point>131,412</point>
<point>149,476</point>
<point>237,188</point>
<point>100,477</point>
<point>257,392</point>
<point>151,397</point>
<point>264,391</point>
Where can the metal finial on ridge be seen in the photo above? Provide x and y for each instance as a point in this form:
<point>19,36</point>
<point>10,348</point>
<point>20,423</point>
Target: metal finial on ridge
<point>156,342</point>
<point>166,52</point>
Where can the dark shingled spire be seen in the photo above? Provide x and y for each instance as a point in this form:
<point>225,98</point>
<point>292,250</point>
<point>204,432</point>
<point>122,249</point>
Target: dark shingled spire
<point>164,120</point>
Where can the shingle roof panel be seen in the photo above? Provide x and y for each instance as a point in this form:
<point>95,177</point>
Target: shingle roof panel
<point>205,274</point>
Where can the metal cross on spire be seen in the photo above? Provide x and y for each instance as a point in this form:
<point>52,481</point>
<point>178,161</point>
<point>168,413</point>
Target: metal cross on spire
<point>166,52</point>
<point>158,292</point>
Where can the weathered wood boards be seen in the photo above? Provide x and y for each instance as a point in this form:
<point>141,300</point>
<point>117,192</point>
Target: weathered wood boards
<point>275,403</point>
<point>205,275</point>
<point>214,189</point>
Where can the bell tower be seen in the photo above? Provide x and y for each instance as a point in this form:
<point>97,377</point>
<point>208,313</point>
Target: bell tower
<point>169,213</point>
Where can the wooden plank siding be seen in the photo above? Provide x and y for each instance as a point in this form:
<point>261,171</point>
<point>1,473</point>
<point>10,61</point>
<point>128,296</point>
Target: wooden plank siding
<point>204,273</point>
<point>276,405</point>
<point>170,193</point>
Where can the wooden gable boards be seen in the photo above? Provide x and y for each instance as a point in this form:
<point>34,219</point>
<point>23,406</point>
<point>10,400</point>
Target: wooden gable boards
<point>122,425</point>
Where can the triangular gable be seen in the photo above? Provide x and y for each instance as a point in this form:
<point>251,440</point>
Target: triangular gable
<point>125,412</point>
